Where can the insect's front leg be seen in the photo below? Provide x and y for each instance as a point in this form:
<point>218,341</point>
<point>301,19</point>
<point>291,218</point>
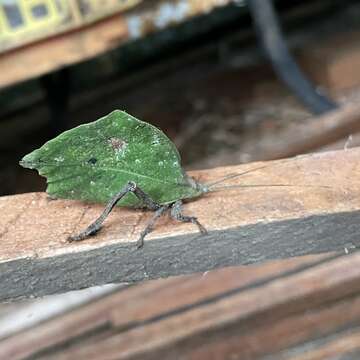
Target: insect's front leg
<point>94,227</point>
<point>176,213</point>
<point>145,198</point>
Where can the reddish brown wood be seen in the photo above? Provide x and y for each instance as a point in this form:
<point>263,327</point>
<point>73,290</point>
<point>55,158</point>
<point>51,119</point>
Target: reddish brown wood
<point>142,302</point>
<point>276,310</point>
<point>69,48</point>
<point>318,132</point>
<point>185,331</point>
<point>244,224</point>
<point>93,38</point>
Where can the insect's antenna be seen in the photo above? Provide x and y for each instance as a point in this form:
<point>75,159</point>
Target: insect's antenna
<point>232,176</point>
<point>219,188</point>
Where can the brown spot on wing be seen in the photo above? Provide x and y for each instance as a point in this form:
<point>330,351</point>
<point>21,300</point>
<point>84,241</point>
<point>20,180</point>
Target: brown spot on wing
<point>117,144</point>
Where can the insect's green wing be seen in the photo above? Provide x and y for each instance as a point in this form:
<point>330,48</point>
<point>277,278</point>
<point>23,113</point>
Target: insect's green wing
<point>92,162</point>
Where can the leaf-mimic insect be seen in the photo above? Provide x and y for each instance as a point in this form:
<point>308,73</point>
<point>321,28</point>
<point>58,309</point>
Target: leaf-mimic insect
<point>118,160</point>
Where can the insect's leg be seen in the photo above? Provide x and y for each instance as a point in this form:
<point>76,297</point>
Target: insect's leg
<point>176,213</point>
<point>150,226</point>
<point>145,198</point>
<point>94,227</point>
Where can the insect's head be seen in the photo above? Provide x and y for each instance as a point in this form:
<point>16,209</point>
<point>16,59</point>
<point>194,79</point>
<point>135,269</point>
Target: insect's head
<point>200,188</point>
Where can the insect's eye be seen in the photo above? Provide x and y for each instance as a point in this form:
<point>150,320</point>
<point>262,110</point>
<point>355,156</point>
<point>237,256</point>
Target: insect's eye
<point>92,161</point>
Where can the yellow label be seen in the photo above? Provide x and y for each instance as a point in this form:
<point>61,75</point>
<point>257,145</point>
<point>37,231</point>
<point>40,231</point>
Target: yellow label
<point>43,17</point>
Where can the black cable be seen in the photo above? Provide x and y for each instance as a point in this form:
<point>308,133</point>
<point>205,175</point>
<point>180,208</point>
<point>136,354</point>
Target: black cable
<point>272,40</point>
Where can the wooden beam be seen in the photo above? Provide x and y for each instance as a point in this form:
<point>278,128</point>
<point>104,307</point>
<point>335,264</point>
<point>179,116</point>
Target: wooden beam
<point>334,130</point>
<point>246,225</point>
<point>80,44</point>
<point>70,48</point>
<point>278,308</point>
<point>317,132</point>
<point>275,314</point>
<point>331,63</point>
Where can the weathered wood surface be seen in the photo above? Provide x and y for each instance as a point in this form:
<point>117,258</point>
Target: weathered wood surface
<point>318,132</point>
<point>49,55</point>
<point>96,38</point>
<point>335,130</point>
<point>299,308</point>
<point>245,225</point>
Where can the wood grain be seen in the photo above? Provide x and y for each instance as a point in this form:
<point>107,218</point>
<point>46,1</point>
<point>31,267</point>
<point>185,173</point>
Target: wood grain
<point>318,132</point>
<point>246,225</point>
<point>95,38</point>
<point>299,308</point>
<point>57,52</point>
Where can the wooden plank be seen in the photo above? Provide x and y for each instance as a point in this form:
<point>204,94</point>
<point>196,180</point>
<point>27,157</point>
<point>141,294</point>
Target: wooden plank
<point>96,38</point>
<point>337,129</point>
<point>332,63</point>
<point>308,306</point>
<point>139,303</point>
<point>219,328</point>
<point>318,132</point>
<point>345,344</point>
<point>48,55</point>
<point>71,16</point>
<point>245,225</point>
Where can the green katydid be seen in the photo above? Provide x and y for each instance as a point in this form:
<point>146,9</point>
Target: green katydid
<point>118,160</point>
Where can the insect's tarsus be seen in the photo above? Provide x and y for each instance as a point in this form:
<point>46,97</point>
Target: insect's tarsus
<point>176,214</point>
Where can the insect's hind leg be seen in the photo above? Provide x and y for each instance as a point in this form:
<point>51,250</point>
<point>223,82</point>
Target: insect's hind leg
<point>176,213</point>
<point>94,227</point>
<point>150,226</point>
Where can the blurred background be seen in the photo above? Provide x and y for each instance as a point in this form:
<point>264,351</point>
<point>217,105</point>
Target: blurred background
<point>229,82</point>
<point>199,70</point>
